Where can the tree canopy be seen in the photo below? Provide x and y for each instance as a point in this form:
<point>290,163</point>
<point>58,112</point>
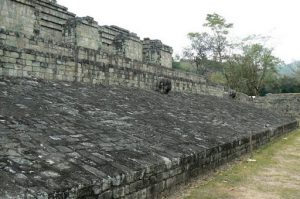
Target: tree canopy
<point>220,30</point>
<point>248,66</point>
<point>247,72</point>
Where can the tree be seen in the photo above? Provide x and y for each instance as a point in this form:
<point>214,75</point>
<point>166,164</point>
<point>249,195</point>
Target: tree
<point>247,72</point>
<point>233,73</point>
<point>289,85</point>
<point>220,30</point>
<point>210,46</point>
<point>199,50</point>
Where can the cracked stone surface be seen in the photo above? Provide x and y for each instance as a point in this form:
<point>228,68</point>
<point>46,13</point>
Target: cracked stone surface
<point>57,136</point>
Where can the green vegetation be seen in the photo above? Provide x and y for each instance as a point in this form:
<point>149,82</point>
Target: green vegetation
<point>217,78</point>
<point>282,84</point>
<point>247,66</point>
<point>247,72</point>
<point>287,80</point>
<point>275,173</point>
<point>210,46</point>
<point>184,66</point>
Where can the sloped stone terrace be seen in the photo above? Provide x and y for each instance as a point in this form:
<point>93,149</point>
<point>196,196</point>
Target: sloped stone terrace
<point>63,140</point>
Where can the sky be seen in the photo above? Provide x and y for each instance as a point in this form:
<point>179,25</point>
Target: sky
<point>171,20</point>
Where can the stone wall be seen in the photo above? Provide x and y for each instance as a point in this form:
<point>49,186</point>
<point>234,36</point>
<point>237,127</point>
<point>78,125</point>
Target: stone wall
<point>48,20</point>
<point>82,32</point>
<point>155,52</point>
<point>43,39</point>
<point>17,15</point>
<point>166,60</point>
<point>134,49</point>
<point>159,180</point>
<point>122,42</point>
<point>43,18</point>
<point>28,56</point>
<point>53,133</point>
<point>287,104</point>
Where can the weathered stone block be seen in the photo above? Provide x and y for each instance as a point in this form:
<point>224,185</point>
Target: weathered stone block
<point>2,37</point>
<point>86,31</point>
<point>163,175</point>
<point>9,72</point>
<point>58,77</point>
<point>36,67</point>
<point>19,73</point>
<point>155,52</point>
<point>136,186</point>
<point>175,172</point>
<point>25,74</point>
<point>60,67</point>
<point>8,65</point>
<point>27,68</point>
<point>106,184</point>
<point>11,42</point>
<point>48,76</point>
<point>12,54</point>
<point>142,194</point>
<point>21,61</point>
<point>28,57</point>
<point>170,182</point>
<point>106,195</point>
<point>18,67</point>
<point>8,60</point>
<point>118,192</point>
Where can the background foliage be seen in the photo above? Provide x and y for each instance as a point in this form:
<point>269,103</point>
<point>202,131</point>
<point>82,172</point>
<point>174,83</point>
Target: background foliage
<point>247,66</point>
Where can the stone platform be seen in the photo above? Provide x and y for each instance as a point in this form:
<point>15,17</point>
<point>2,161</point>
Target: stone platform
<point>64,140</point>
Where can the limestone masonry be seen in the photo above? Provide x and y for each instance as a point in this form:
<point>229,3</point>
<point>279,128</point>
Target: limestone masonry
<point>45,19</point>
<point>79,117</point>
<point>287,104</point>
<point>42,39</point>
<point>71,140</point>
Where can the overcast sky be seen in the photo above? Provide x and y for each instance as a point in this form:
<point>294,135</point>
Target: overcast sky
<point>171,20</point>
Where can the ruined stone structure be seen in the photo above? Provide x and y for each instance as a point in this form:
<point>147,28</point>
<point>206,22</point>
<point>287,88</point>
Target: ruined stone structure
<point>287,104</point>
<point>75,141</point>
<point>156,52</point>
<point>43,39</point>
<point>79,117</point>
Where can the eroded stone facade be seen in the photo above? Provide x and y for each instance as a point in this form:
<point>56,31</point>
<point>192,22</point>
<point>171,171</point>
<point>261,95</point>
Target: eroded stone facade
<point>82,32</point>
<point>62,139</point>
<point>287,104</point>
<point>48,20</point>
<point>155,52</point>
<point>44,40</point>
